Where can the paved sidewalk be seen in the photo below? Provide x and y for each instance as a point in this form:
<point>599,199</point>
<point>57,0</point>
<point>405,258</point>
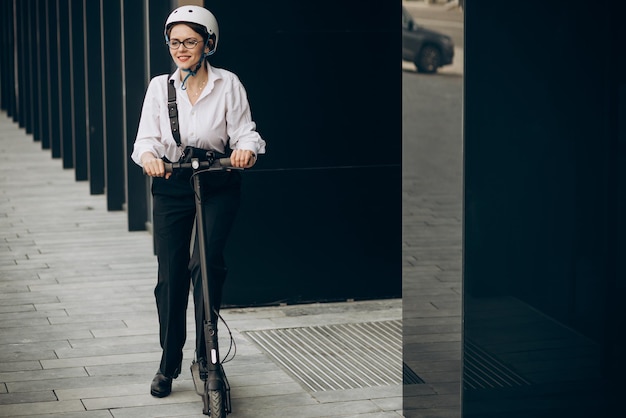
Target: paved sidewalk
<point>78,325</point>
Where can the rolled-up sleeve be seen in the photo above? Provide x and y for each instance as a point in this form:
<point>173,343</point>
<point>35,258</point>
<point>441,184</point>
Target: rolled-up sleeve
<point>241,128</point>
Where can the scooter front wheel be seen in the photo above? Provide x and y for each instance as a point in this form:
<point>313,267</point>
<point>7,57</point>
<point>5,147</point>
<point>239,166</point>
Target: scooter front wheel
<point>217,403</point>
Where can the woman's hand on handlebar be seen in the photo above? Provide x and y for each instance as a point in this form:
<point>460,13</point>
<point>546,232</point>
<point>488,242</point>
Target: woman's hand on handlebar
<point>153,166</point>
<point>242,158</point>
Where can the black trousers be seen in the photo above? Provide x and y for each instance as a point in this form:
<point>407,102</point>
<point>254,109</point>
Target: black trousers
<point>173,219</point>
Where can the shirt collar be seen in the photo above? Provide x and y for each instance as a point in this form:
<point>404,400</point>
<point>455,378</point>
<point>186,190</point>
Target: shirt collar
<point>213,76</point>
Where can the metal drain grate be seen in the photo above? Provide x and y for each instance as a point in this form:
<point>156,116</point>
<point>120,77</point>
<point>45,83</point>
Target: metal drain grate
<point>482,370</point>
<point>336,357</point>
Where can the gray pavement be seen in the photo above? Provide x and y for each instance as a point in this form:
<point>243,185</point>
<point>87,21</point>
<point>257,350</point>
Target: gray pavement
<point>78,325</point>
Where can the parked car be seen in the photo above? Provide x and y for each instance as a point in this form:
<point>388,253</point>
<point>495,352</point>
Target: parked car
<point>427,49</point>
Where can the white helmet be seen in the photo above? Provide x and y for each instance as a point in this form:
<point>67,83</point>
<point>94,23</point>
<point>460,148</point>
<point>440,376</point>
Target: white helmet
<point>194,14</point>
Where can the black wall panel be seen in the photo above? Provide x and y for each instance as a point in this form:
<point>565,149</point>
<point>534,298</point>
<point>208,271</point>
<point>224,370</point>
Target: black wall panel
<point>321,211</point>
<point>543,185</point>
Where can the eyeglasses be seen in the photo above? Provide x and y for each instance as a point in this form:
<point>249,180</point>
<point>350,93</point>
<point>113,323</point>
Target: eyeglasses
<point>189,43</point>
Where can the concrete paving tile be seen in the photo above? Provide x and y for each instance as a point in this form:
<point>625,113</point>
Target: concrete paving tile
<point>420,367</point>
<point>111,341</point>
<point>390,404</point>
<point>434,377</point>
<point>234,369</point>
<point>91,286</point>
<point>164,410</point>
<point>50,333</point>
<point>27,397</point>
<point>124,332</point>
<point>254,378</point>
<point>12,288</point>
<point>132,401</point>
<point>369,393</point>
<point>26,298</point>
<point>423,347</point>
<point>4,316</point>
<point>83,414</point>
<point>146,368</point>
<point>23,376</point>
<point>432,413</point>
<point>100,360</point>
<point>116,313</point>
<point>23,322</point>
<point>79,382</point>
<point>35,408</point>
<point>17,366</point>
<point>275,401</point>
<point>100,351</point>
<point>112,390</point>
<point>25,307</point>
<point>336,409</point>
<point>265,390</point>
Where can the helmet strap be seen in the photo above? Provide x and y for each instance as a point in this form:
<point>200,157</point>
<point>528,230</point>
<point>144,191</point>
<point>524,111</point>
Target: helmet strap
<point>191,72</point>
<point>198,65</point>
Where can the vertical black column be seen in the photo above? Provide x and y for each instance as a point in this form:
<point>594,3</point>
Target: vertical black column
<point>42,130</point>
<point>65,88</point>
<point>114,131</point>
<point>54,113</point>
<point>8,58</point>
<point>93,95</point>
<point>160,61</point>
<point>30,65</point>
<point>136,50</point>
<point>21,63</point>
<point>77,83</point>
<point>42,83</point>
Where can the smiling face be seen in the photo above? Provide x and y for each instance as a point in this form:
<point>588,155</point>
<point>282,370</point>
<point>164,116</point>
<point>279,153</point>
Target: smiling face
<point>184,57</point>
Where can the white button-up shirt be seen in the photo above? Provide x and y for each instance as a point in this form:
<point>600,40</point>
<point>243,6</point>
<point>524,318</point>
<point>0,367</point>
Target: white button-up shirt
<point>221,116</point>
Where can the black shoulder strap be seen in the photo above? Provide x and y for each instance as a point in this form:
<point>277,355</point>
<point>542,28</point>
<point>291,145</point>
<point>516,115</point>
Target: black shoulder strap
<point>173,110</point>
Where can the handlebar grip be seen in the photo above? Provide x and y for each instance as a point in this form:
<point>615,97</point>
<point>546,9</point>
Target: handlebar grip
<point>222,162</point>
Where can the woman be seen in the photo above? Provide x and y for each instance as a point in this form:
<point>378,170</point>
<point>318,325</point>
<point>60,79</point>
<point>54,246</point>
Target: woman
<point>213,115</point>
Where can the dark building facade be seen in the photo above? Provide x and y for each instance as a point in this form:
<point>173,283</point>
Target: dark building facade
<point>320,217</point>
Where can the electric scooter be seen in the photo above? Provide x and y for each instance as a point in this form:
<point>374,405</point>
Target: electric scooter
<point>210,382</point>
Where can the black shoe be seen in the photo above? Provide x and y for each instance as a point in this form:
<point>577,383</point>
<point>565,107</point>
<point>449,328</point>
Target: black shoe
<point>161,386</point>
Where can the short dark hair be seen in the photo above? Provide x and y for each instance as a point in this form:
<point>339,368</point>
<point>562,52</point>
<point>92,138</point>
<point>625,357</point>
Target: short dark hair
<point>199,29</point>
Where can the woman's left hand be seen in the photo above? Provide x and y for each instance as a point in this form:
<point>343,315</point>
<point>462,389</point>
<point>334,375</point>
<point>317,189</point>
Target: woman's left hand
<point>242,158</point>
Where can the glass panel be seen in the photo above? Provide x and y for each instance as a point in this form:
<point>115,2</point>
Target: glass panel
<point>432,164</point>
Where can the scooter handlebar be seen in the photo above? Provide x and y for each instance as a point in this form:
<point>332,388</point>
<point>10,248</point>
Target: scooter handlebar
<point>218,164</point>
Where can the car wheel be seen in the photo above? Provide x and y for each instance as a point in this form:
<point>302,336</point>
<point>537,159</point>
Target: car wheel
<point>428,60</point>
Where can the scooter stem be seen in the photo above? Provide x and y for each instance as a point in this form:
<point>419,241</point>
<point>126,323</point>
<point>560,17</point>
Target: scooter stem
<point>210,329</point>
